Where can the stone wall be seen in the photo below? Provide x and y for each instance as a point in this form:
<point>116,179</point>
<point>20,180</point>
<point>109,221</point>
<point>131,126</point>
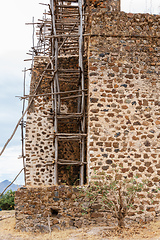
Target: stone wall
<point>123,125</point>
<point>62,206</point>
<point>109,5</point>
<point>39,129</point>
<point>124,112</point>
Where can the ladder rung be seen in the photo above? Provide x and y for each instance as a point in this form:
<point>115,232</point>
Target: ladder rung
<point>69,138</point>
<point>70,23</point>
<point>66,30</point>
<point>68,50</point>
<point>76,55</point>
<point>65,20</point>
<point>69,43</point>
<point>67,23</point>
<point>63,139</point>
<point>68,12</point>
<point>70,113</point>
<point>65,1</point>
<point>62,75</point>
<point>69,81</point>
<point>67,6</point>
<point>71,134</point>
<point>71,1</point>
<point>64,35</point>
<point>60,31</point>
<point>69,97</point>
<point>73,115</point>
<point>68,46</point>
<point>70,15</point>
<point>61,26</point>
<point>69,70</point>
<point>71,163</point>
<point>63,162</point>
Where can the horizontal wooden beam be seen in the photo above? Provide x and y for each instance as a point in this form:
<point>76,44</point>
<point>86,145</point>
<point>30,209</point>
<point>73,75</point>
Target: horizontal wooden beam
<point>51,94</point>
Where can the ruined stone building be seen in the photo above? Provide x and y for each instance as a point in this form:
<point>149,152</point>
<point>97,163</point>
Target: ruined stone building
<point>93,112</point>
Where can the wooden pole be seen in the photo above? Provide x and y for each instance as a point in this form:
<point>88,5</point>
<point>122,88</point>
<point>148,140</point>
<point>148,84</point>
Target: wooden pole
<point>50,94</point>
<point>12,182</point>
<point>54,88</point>
<point>29,104</point>
<point>22,128</point>
<point>32,43</point>
<point>44,33</point>
<point>31,100</point>
<point>82,87</point>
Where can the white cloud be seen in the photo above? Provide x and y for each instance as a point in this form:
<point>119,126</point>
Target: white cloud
<point>141,6</point>
<point>10,165</point>
<point>14,33</point>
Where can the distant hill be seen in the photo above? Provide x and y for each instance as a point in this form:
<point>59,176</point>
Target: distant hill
<point>5,183</point>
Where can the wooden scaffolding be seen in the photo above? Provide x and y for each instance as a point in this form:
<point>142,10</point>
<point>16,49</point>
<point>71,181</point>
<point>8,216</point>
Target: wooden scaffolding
<point>67,29</point>
<point>61,35</point>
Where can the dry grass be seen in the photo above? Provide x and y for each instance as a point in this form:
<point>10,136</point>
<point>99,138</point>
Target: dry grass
<point>149,231</point>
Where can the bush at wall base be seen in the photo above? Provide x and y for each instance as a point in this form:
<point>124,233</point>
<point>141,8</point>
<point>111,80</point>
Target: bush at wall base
<point>7,201</point>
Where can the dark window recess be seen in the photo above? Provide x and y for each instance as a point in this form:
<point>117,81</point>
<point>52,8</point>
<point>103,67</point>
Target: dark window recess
<point>54,212</point>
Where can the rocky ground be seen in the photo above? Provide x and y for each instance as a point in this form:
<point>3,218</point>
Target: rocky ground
<point>149,231</point>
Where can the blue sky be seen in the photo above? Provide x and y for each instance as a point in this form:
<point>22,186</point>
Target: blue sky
<point>15,41</point>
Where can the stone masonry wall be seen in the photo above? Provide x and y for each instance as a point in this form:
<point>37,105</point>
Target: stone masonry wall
<point>123,125</point>
<point>109,5</point>
<point>41,209</point>
<point>124,104</point>
<point>39,127</point>
<point>62,205</point>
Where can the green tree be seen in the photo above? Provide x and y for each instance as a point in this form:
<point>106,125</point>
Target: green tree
<point>7,200</point>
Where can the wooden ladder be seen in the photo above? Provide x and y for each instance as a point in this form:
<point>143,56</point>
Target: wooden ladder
<point>67,19</point>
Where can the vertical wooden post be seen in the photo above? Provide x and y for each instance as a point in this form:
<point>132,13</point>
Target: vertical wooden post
<point>83,93</point>
<point>54,89</point>
<point>44,39</point>
<point>22,127</point>
<point>32,44</point>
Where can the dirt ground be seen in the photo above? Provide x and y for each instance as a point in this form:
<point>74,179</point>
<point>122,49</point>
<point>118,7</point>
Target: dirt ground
<point>149,231</point>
